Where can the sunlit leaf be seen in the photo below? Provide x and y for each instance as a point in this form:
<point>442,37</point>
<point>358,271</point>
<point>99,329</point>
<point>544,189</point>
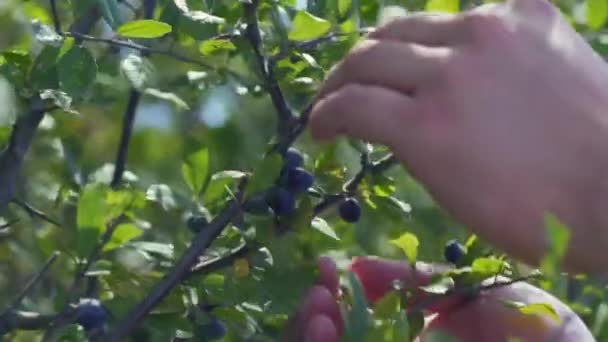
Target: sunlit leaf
<point>307,26</point>
<point>122,234</point>
<point>359,319</point>
<point>198,16</point>
<point>77,70</point>
<point>322,226</point>
<point>144,29</point>
<point>597,13</point>
<point>542,309</point>
<point>195,170</point>
<point>216,46</point>
<point>408,243</point>
<point>449,6</point>
<point>91,216</point>
<point>162,194</point>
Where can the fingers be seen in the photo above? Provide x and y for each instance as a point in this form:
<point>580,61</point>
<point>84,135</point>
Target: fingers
<point>377,277</point>
<point>371,113</point>
<point>395,65</point>
<point>328,275</point>
<point>321,329</point>
<point>318,316</point>
<point>430,29</point>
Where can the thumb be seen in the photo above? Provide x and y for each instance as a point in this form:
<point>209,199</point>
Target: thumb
<point>378,275</point>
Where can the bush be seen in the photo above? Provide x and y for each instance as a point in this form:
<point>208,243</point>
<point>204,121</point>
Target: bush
<point>169,174</point>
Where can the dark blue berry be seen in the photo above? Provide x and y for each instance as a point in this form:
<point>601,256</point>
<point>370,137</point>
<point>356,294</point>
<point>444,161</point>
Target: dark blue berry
<point>350,210</point>
<point>281,201</point>
<point>215,329</point>
<point>299,180</point>
<point>293,158</point>
<point>453,251</point>
<point>196,223</point>
<point>90,314</point>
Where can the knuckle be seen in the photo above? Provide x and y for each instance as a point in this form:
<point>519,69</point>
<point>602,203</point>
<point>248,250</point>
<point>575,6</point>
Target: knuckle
<point>362,52</point>
<point>485,27</point>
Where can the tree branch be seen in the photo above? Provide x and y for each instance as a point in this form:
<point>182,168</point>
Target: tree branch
<point>33,281</point>
<point>266,66</point>
<point>351,185</point>
<point>55,15</point>
<point>201,242</point>
<point>33,212</point>
<point>218,263</point>
<point>147,50</point>
<point>24,320</point>
<point>11,158</point>
<point>127,129</point>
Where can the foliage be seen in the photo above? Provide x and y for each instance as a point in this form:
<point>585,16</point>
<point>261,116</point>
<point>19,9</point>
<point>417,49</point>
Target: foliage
<point>147,182</point>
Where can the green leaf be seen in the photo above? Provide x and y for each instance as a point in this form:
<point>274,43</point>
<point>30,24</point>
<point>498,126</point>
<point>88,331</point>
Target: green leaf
<point>122,234</point>
<point>600,320</point>
<point>144,29</point>
<point>415,320</point>
<point>359,318</point>
<point>449,6</point>
<point>597,13</point>
<point>14,65</point>
<point>402,327</point>
<point>558,235</point>
<point>343,7</point>
<point>108,12</point>
<point>542,309</point>
<point>195,170</point>
<point>59,99</point>
<point>77,70</point>
<point>265,173</point>
<point>306,27</point>
<point>91,216</point>
<point>44,72</point>
<point>216,46</point>
<point>163,249</point>
<point>387,306</point>
<point>179,104</point>
<point>136,70</point>
<point>408,243</point>
<point>197,16</point>
<point>322,226</point>
<point>488,267</point>
<point>439,287</point>
<point>219,182</point>
<point>46,35</point>
<point>161,194</point>
<point>388,13</point>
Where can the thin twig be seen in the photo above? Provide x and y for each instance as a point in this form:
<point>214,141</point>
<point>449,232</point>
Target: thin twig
<point>11,158</point>
<point>8,224</point>
<point>149,6</point>
<point>33,281</point>
<point>55,15</point>
<point>24,320</point>
<point>351,185</point>
<point>33,212</point>
<point>147,50</point>
<point>467,291</point>
<point>312,44</point>
<point>284,113</point>
<point>384,164</point>
<point>127,129</point>
<point>221,262</point>
<point>183,266</point>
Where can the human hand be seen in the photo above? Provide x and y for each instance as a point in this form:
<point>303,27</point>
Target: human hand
<point>499,112</point>
<point>484,318</point>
